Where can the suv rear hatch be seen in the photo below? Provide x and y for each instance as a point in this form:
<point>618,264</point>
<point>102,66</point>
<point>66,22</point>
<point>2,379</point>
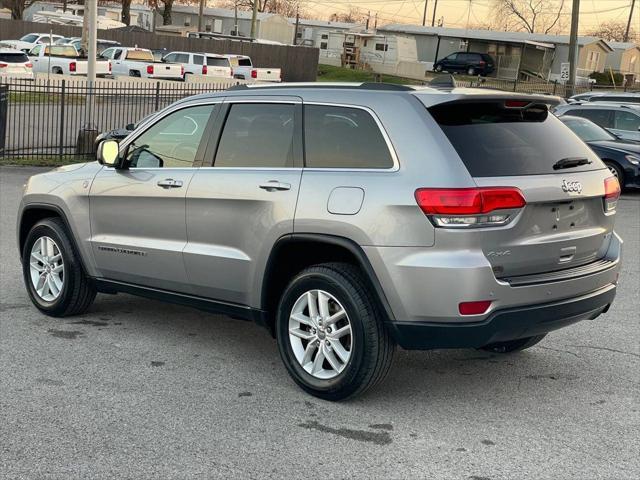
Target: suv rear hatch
<point>551,213</point>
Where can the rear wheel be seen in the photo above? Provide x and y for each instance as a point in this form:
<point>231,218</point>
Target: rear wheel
<point>513,345</point>
<point>438,68</point>
<point>471,71</point>
<point>52,271</point>
<point>617,172</point>
<point>330,332</point>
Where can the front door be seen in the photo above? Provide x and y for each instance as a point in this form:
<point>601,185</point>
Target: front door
<point>138,226</point>
<point>246,200</point>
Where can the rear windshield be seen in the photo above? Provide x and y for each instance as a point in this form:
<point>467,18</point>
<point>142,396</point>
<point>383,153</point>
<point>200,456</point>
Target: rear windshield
<point>61,51</point>
<point>614,98</point>
<point>495,141</point>
<point>144,55</point>
<point>217,62</point>
<point>244,62</point>
<point>13,57</point>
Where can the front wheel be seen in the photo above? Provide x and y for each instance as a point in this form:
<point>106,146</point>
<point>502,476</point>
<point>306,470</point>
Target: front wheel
<point>438,68</point>
<point>330,332</point>
<point>617,172</point>
<point>471,71</point>
<point>513,345</point>
<point>53,273</point>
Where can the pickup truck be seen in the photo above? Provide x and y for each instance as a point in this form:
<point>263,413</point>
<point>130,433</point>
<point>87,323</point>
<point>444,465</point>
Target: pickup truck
<point>64,60</point>
<point>30,40</point>
<point>205,64</point>
<point>243,69</point>
<point>140,62</point>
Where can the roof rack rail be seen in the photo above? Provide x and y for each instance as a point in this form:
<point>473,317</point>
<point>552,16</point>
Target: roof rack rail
<point>443,81</point>
<point>391,87</point>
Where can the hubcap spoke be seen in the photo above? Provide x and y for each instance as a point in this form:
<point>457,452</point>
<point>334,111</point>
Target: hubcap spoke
<point>335,317</point>
<point>303,334</point>
<point>340,350</point>
<point>308,353</point>
<point>318,361</point>
<point>311,303</point>
<point>323,304</point>
<point>341,332</point>
<point>333,361</point>
<point>303,319</point>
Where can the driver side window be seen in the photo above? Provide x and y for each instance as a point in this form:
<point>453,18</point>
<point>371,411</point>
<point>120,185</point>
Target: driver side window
<point>172,142</point>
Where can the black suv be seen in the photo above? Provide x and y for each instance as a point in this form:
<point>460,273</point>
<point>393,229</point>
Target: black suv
<point>468,62</point>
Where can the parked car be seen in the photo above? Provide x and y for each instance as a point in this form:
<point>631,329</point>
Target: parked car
<point>101,45</point>
<point>466,62</point>
<point>30,40</point>
<point>15,64</point>
<point>610,97</point>
<point>206,64</point>
<point>345,248</point>
<point>621,157</point>
<point>64,60</point>
<point>621,120</point>
<point>243,69</point>
<point>140,62</point>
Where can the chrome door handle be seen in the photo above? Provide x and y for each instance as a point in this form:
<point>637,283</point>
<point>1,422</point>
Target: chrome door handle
<point>170,183</point>
<point>274,185</point>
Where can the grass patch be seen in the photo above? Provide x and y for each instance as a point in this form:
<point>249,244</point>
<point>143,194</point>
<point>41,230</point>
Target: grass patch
<point>43,160</point>
<point>329,73</point>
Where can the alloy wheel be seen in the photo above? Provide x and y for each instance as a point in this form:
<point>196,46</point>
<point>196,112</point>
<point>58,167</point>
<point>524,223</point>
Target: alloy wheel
<point>46,267</point>
<point>320,334</point>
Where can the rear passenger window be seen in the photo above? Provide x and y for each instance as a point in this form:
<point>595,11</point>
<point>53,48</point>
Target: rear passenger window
<point>198,59</point>
<point>599,117</point>
<point>343,137</point>
<point>257,135</point>
<point>627,121</point>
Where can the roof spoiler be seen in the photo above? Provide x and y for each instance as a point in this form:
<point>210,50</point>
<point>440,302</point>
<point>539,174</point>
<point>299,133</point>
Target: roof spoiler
<point>443,82</point>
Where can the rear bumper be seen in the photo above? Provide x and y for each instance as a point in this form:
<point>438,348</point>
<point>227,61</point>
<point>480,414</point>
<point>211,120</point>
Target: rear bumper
<point>503,325</point>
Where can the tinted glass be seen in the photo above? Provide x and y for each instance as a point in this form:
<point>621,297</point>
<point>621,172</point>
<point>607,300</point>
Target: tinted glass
<point>494,141</point>
<point>198,59</point>
<point>171,142</point>
<point>612,98</point>
<point>257,135</point>
<point>627,121</point>
<point>182,58</point>
<point>244,62</point>
<point>13,58</point>
<point>217,62</point>
<point>170,58</point>
<point>453,56</point>
<point>599,117</point>
<point>32,37</point>
<point>342,137</point>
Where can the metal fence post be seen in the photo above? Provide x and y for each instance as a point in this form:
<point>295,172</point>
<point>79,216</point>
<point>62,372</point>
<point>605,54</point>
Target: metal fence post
<point>555,86</point>
<point>157,96</point>
<point>61,124</point>
<point>4,111</point>
<point>515,84</point>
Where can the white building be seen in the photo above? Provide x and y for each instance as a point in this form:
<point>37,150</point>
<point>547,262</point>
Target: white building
<point>625,59</point>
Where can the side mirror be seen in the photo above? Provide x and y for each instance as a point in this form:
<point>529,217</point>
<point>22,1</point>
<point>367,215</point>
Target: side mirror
<point>108,153</point>
<point>130,126</point>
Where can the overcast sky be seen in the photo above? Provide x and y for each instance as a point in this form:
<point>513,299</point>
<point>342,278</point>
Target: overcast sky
<point>456,13</point>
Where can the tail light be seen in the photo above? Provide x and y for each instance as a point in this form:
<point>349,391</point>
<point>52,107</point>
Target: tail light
<point>469,207</point>
<point>3,65</point>
<point>149,69</point>
<point>182,70</point>
<point>28,65</point>
<point>254,74</point>
<point>474,308</point>
<point>611,194</point>
<point>204,69</point>
<point>72,67</point>
<point>232,73</point>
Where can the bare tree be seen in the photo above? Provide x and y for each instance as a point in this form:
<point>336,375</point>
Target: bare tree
<point>287,8</point>
<point>165,11</point>
<point>352,16</point>
<point>17,7</point>
<point>533,16</point>
<point>126,12</point>
<point>613,31</point>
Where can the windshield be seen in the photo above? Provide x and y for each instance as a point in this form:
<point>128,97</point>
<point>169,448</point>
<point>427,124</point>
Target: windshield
<point>217,62</point>
<point>587,130</point>
<point>143,55</point>
<point>32,37</point>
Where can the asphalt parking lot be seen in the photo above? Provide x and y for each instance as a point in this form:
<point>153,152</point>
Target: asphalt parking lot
<point>140,389</point>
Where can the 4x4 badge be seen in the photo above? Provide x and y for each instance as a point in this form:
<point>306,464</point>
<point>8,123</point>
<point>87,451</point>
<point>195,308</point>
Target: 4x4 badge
<point>571,187</point>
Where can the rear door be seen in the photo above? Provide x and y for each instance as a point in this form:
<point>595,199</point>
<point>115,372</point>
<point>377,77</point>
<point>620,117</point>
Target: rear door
<point>138,226</point>
<point>564,223</point>
<point>239,206</point>
<point>626,124</point>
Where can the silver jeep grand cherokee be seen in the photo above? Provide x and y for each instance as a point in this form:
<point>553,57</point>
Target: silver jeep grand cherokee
<point>345,218</point>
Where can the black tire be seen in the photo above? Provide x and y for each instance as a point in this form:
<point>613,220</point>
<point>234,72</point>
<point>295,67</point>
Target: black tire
<point>513,345</point>
<point>616,170</point>
<point>78,292</point>
<point>438,68</point>
<point>372,347</point>
<point>471,71</point>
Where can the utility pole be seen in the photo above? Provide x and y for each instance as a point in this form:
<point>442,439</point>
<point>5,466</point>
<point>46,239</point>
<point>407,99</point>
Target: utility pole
<point>573,47</point>
<point>433,19</point>
<point>626,32</point>
<point>375,22</point>
<point>235,18</point>
<point>366,27</point>
<point>254,17</point>
<point>295,32</point>
<point>424,14</point>
<point>200,13</point>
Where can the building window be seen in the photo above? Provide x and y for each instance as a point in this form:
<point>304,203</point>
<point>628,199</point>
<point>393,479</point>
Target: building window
<point>323,45</point>
<point>382,47</point>
<point>324,36</point>
<point>187,21</point>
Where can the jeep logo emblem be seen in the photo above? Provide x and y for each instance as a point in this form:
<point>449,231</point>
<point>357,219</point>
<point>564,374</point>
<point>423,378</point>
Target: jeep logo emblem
<point>571,187</point>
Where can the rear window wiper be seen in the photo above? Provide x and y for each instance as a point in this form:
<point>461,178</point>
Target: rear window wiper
<point>571,162</point>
